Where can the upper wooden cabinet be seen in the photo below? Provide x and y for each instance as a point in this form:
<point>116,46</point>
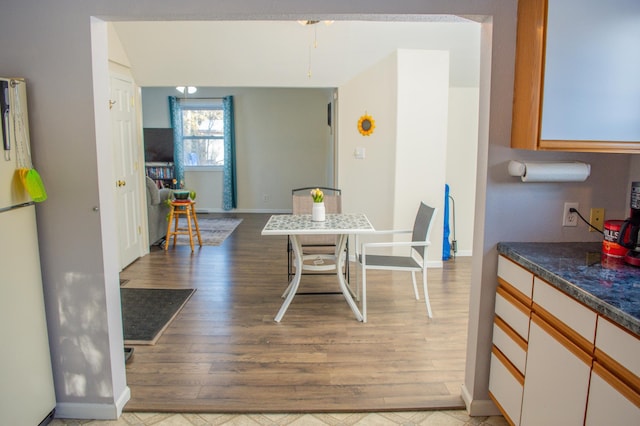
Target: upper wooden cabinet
<point>576,77</point>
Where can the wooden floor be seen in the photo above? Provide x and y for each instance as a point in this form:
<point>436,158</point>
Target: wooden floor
<point>225,353</point>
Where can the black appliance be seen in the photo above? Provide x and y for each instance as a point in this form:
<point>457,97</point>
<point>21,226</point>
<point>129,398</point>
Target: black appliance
<point>630,228</point>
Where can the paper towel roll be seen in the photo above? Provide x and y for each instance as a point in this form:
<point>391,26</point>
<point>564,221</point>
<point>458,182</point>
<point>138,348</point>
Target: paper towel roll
<point>550,171</point>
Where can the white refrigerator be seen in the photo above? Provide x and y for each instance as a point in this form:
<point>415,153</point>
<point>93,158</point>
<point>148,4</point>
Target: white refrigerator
<point>27,395</point>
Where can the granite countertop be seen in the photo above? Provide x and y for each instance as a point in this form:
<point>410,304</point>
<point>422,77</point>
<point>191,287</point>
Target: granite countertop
<point>605,284</point>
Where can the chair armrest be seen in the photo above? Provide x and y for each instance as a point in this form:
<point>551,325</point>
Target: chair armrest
<point>395,244</point>
<point>391,231</point>
<point>383,232</point>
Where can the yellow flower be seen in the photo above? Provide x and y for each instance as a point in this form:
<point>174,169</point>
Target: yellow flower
<point>317,195</point>
<point>366,124</point>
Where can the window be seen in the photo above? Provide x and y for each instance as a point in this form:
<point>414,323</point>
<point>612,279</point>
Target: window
<point>203,133</point>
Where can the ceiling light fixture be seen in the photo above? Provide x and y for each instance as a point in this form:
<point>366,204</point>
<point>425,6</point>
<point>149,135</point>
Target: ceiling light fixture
<point>313,45</point>
<point>189,89</point>
<point>311,22</point>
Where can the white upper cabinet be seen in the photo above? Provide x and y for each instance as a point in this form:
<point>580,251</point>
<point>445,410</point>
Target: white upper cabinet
<point>577,68</point>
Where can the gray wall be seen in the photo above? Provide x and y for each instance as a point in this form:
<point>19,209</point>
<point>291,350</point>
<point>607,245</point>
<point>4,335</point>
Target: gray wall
<point>279,133</point>
<point>50,43</point>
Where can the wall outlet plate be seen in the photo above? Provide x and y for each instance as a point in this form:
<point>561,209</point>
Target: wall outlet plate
<point>596,219</point>
<point>568,218</point>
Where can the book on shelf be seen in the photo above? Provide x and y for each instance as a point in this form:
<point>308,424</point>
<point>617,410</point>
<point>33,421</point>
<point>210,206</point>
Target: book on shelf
<point>161,171</point>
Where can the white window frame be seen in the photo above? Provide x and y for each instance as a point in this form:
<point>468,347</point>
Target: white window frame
<point>196,104</point>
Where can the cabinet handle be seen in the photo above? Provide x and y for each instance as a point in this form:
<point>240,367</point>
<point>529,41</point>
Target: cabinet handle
<point>616,383</point>
<point>507,364</point>
<point>618,370</point>
<point>513,335</point>
<point>507,291</point>
<point>560,338</point>
<point>566,331</point>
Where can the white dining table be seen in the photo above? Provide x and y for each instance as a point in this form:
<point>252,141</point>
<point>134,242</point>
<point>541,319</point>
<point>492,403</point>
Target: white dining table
<point>340,224</point>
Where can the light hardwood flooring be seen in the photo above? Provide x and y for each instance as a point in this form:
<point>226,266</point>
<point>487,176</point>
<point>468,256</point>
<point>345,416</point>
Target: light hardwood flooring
<point>224,352</point>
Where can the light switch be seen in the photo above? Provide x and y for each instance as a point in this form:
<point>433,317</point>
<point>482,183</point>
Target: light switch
<point>358,153</point>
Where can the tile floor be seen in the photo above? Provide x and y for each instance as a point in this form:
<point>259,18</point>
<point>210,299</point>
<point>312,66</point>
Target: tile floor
<point>409,418</point>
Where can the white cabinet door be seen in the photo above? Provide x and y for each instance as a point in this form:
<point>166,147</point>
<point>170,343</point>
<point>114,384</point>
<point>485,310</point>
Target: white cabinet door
<point>516,276</point>
<point>505,387</point>
<point>619,345</point>
<point>577,317</point>
<point>611,402</point>
<point>556,379</point>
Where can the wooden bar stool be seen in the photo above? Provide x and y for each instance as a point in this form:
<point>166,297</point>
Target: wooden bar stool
<point>187,209</point>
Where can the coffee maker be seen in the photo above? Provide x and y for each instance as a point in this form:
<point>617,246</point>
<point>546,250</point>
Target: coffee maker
<point>628,236</point>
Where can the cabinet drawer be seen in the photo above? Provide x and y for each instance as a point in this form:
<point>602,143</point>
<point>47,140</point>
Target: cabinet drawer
<point>516,276</point>
<point>573,314</point>
<point>611,402</point>
<point>505,387</point>
<point>618,344</point>
<point>514,313</point>
<point>510,344</point>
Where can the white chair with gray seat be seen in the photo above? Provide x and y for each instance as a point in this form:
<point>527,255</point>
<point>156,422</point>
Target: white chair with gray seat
<point>414,260</point>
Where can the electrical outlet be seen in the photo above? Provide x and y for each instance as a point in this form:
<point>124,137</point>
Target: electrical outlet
<point>265,198</point>
<point>596,219</point>
<point>568,218</point>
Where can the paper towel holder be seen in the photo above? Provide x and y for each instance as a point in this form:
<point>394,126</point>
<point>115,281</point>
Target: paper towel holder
<point>558,171</point>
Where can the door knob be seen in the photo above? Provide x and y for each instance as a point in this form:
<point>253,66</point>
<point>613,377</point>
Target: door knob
<point>120,183</point>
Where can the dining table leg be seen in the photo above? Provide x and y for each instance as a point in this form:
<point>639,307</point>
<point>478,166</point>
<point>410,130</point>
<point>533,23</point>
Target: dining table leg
<point>295,282</point>
<point>346,291</point>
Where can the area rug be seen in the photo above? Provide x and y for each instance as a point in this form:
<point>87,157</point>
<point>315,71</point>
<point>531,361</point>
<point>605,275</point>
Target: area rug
<point>147,312</point>
<point>212,230</point>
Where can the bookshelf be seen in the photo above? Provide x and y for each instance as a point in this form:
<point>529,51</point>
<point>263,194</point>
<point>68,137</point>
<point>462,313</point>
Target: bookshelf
<point>161,173</point>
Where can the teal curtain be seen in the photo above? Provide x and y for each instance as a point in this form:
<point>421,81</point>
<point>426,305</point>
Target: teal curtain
<point>229,190</point>
<point>175,114</point>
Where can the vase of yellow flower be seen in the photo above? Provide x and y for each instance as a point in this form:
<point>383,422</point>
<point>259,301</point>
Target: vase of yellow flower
<point>317,211</point>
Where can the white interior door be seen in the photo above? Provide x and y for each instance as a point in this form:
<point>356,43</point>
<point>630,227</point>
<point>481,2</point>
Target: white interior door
<point>126,164</point>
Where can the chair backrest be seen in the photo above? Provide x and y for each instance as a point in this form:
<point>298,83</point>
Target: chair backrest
<point>303,203</point>
<point>422,226</point>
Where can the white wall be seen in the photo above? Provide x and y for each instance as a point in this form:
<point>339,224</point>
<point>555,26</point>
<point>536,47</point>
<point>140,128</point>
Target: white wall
<point>404,160</point>
<point>282,142</point>
<point>368,185</point>
<point>279,48</point>
<point>423,107</point>
<point>462,150</point>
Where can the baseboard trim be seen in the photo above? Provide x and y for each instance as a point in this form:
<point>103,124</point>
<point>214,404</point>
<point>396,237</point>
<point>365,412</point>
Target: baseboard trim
<point>478,408</point>
<point>271,211</point>
<point>77,410</point>
<point>125,396</point>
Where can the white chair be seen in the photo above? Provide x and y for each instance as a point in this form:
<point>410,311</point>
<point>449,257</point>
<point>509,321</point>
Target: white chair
<point>414,260</point>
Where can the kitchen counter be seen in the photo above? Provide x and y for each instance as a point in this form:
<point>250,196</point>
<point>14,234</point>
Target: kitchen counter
<point>605,284</point>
